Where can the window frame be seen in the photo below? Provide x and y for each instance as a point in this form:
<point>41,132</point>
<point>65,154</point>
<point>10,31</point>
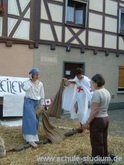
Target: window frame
<point>120,91</point>
<point>121,10</point>
<point>74,24</point>
<point>81,65</point>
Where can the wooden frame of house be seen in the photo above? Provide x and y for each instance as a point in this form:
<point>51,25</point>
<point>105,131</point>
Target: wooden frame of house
<point>81,25</point>
<point>35,15</point>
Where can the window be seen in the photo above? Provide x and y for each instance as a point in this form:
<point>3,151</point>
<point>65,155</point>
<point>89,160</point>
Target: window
<point>70,67</point>
<point>121,79</point>
<point>76,12</point>
<point>121,21</point>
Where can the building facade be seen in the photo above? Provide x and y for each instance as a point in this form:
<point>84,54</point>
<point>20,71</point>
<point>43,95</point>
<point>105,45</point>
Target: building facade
<point>58,36</point>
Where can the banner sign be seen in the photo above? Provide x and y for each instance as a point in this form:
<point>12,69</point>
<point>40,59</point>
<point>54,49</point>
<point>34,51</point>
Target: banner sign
<point>11,89</point>
<point>11,85</point>
<point>13,105</point>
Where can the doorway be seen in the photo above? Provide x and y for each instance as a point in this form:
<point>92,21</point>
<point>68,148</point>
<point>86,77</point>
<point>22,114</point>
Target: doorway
<point>70,67</point>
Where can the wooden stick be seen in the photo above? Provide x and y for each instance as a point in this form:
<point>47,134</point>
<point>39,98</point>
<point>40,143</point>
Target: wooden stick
<point>45,141</point>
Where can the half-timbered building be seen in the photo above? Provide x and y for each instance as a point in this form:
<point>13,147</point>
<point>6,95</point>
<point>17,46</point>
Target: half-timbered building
<point>59,35</point>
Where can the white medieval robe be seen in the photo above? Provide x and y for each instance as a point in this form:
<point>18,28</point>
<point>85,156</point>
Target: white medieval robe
<point>81,92</point>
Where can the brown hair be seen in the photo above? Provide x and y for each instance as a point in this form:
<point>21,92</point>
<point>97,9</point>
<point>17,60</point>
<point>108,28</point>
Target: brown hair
<point>79,71</point>
<point>99,80</point>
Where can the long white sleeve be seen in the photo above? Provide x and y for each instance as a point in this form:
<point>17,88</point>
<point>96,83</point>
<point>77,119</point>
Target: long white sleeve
<point>42,101</point>
<point>27,85</point>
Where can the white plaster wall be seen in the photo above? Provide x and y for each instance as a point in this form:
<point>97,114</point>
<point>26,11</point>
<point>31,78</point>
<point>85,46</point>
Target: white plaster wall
<point>95,21</point>
<point>95,39</point>
<point>110,41</point>
<point>111,7</point>
<point>46,32</point>
<point>56,12</point>
<point>96,5</point>
<point>110,24</point>
<point>22,31</point>
<point>43,11</point>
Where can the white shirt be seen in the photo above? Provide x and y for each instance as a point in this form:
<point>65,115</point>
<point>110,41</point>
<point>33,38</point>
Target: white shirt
<point>83,86</point>
<point>34,91</point>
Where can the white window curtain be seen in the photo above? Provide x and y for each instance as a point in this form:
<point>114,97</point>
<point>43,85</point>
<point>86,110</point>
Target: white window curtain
<point>79,17</point>
<point>70,14</point>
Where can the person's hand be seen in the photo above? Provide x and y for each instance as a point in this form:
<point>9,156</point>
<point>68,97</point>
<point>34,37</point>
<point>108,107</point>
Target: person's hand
<point>65,79</point>
<point>30,76</point>
<point>86,125</point>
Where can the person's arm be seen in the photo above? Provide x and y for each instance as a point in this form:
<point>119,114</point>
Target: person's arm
<point>27,85</point>
<point>72,82</point>
<point>42,101</point>
<point>95,107</point>
<point>66,81</point>
<point>94,112</point>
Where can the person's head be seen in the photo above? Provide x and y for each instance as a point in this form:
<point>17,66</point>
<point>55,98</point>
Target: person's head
<point>34,73</point>
<point>79,72</point>
<point>98,81</point>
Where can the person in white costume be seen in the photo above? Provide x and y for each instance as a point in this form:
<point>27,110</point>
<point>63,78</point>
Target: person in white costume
<point>77,96</point>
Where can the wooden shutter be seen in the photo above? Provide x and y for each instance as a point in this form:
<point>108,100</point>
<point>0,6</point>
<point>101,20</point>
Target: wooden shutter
<point>121,77</point>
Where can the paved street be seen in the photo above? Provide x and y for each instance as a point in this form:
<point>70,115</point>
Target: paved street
<point>116,126</point>
<point>117,122</point>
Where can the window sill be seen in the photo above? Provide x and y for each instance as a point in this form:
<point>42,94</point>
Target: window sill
<point>120,92</point>
<point>75,25</point>
<point>121,34</point>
